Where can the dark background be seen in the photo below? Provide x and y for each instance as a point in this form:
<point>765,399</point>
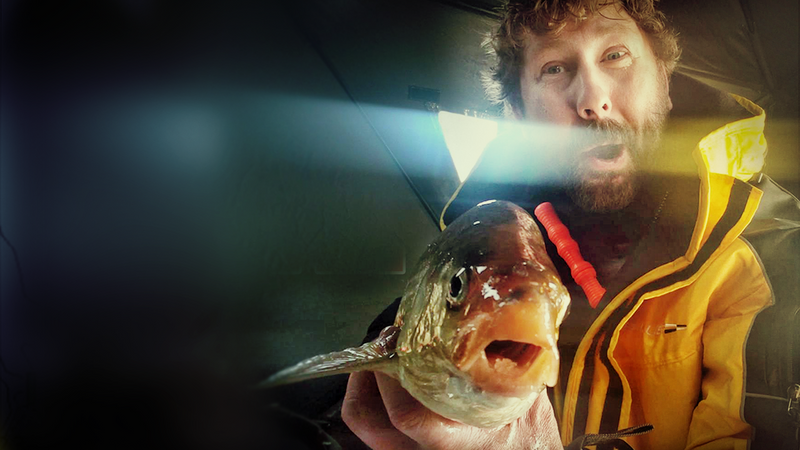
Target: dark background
<point>196,194</point>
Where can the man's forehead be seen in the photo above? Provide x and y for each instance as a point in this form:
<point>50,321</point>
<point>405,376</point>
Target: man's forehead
<point>610,21</point>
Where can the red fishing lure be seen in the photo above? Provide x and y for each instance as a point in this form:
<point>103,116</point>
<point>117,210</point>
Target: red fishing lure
<point>582,271</point>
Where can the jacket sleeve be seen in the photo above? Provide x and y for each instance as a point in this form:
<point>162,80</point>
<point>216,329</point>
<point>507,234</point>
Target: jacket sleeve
<point>742,290</point>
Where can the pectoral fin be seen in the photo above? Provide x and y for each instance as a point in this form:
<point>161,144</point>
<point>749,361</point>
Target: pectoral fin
<point>375,355</point>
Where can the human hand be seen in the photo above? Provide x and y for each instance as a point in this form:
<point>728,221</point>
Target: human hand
<point>386,417</point>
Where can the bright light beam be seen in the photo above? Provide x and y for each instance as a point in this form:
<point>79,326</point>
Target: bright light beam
<point>466,137</point>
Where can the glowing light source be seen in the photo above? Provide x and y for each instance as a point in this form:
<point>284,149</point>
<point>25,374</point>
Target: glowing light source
<point>466,137</point>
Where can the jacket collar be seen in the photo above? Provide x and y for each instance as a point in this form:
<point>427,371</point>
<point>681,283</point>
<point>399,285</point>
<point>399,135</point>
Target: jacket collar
<point>734,151</point>
<point>738,148</point>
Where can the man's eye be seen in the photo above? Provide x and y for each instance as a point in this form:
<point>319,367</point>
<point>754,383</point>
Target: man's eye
<point>553,70</point>
<point>614,55</point>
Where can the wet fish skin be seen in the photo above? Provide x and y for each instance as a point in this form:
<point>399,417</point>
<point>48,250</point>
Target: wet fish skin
<point>477,328</point>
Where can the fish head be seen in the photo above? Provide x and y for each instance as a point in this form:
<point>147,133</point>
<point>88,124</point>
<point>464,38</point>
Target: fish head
<point>483,311</point>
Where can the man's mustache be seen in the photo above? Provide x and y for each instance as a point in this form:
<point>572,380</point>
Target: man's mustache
<point>605,132</point>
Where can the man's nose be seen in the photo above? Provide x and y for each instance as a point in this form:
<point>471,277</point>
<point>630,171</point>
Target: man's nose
<point>592,95</point>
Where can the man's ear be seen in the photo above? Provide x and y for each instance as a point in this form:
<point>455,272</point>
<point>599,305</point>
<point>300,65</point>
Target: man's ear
<point>514,110</point>
<point>667,83</point>
<point>669,98</point>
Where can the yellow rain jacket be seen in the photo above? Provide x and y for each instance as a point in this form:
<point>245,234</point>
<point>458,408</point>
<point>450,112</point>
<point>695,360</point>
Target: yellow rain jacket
<point>676,335</point>
<point>668,344</point>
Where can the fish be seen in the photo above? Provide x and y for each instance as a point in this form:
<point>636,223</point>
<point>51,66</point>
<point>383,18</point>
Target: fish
<point>475,336</point>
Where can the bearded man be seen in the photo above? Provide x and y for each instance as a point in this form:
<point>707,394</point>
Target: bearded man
<point>588,82</point>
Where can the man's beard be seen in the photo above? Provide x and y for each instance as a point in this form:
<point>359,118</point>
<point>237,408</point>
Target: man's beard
<point>607,191</point>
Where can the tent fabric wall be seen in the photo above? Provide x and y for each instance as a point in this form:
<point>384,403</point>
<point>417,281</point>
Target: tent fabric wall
<point>181,219</point>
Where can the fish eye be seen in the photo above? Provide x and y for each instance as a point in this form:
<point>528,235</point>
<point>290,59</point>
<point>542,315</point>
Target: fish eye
<point>457,288</point>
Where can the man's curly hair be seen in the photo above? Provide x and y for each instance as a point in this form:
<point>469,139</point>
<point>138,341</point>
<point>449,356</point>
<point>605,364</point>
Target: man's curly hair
<point>506,44</point>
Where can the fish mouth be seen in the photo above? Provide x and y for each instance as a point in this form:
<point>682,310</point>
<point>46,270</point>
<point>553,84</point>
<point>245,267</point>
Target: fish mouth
<point>512,353</point>
<point>504,355</point>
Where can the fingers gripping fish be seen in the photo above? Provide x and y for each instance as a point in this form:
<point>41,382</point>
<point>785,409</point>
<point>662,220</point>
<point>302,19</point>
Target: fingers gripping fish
<point>475,336</point>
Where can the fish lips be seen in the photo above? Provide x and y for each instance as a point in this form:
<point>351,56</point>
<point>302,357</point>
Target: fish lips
<point>511,352</point>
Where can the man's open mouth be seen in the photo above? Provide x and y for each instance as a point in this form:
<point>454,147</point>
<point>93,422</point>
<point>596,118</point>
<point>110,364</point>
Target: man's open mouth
<point>605,152</point>
<point>606,158</point>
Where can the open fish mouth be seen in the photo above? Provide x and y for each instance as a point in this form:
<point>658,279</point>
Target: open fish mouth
<point>510,355</point>
<point>512,368</point>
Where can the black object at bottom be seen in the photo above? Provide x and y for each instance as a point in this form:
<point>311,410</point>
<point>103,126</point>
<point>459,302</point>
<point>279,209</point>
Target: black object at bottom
<point>609,440</point>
